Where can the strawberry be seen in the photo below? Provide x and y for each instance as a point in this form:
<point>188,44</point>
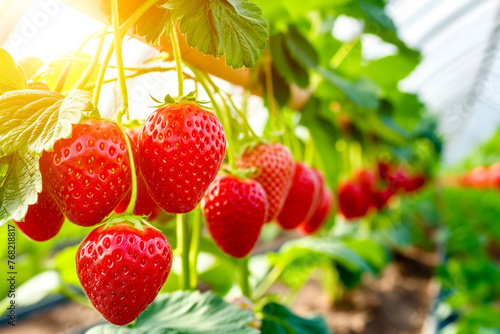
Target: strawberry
<point>321,214</point>
<point>89,173</point>
<point>122,269</point>
<point>413,183</point>
<point>353,202</point>
<point>181,149</point>
<point>235,210</point>
<point>43,220</point>
<point>380,198</point>
<point>303,198</point>
<point>478,177</point>
<point>276,168</point>
<point>144,205</point>
<point>494,175</point>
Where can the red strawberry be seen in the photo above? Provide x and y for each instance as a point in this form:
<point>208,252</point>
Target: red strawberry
<point>303,198</point>
<point>494,175</point>
<point>144,205</point>
<point>353,202</point>
<point>122,269</point>
<point>367,179</point>
<point>181,149</point>
<point>43,220</point>
<point>413,183</point>
<point>89,173</point>
<point>321,215</point>
<point>235,210</point>
<point>478,177</point>
<point>276,168</point>
<point>380,198</point>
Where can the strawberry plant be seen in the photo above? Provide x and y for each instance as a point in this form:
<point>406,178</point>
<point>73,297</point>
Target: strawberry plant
<point>186,214</point>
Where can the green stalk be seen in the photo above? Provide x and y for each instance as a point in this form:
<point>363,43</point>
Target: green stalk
<point>244,274</point>
<point>178,60</point>
<point>125,27</point>
<point>195,248</point>
<point>268,281</point>
<point>100,75</point>
<point>67,67</point>
<point>93,64</point>
<point>124,95</point>
<point>183,251</point>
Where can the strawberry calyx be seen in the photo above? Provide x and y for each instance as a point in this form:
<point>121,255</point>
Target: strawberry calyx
<point>118,218</point>
<point>189,98</point>
<point>249,173</point>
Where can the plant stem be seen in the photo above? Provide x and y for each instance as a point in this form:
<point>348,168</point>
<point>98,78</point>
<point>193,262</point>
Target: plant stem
<point>123,29</point>
<point>67,67</point>
<point>244,274</point>
<point>178,60</point>
<point>124,109</point>
<point>268,281</point>
<point>195,248</point>
<point>100,76</point>
<point>93,64</point>
<point>183,251</point>
<point>342,53</point>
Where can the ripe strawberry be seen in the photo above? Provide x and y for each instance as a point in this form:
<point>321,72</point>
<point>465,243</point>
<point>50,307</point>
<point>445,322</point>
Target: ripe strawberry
<point>353,202</point>
<point>43,220</point>
<point>276,168</point>
<point>413,183</point>
<point>89,173</point>
<point>478,177</point>
<point>144,205</point>
<point>380,198</point>
<point>122,269</point>
<point>320,216</point>
<point>181,149</point>
<point>235,210</point>
<point>494,175</point>
<point>303,198</point>
<point>367,179</point>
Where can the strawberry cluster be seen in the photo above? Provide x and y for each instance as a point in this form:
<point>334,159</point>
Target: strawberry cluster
<point>282,190</point>
<point>368,190</point>
<point>483,177</point>
<point>123,265</point>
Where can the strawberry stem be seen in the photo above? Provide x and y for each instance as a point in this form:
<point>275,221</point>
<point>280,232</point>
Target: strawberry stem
<point>178,60</point>
<point>244,274</point>
<point>195,248</point>
<point>183,251</point>
<point>124,28</point>
<point>124,109</point>
<point>93,64</point>
<point>67,67</point>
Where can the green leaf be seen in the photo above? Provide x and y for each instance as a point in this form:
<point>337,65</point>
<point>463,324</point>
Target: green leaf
<point>33,120</point>
<point>186,312</point>
<point>374,10</point>
<point>280,320</point>
<point>19,187</point>
<point>12,76</point>
<point>287,66</point>
<point>50,73</point>
<point>363,92</point>
<point>336,249</point>
<point>30,65</point>
<point>300,48</point>
<point>233,28</point>
<point>154,24</point>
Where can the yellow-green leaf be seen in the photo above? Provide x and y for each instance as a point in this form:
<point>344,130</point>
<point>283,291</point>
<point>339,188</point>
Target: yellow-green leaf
<point>12,76</point>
